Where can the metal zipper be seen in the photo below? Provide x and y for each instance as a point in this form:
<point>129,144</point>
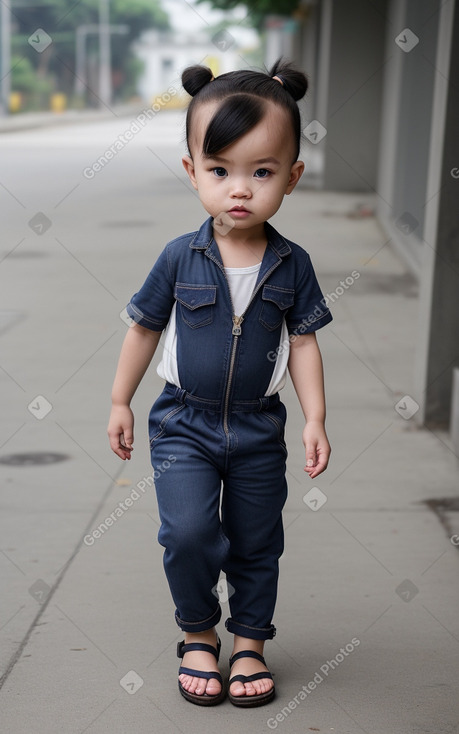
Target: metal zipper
<point>236,332</point>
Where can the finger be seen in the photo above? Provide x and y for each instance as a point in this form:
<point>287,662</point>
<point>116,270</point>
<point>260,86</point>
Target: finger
<point>127,439</point>
<point>311,457</point>
<point>321,465</point>
<point>117,447</point>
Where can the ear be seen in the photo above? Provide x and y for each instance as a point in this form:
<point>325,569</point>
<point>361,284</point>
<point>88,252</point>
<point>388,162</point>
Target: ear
<point>296,172</point>
<point>189,168</point>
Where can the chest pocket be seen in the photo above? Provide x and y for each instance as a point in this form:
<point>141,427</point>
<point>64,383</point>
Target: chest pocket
<point>197,303</point>
<point>276,301</point>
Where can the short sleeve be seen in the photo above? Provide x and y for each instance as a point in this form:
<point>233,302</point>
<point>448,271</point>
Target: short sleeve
<point>310,311</point>
<point>151,306</point>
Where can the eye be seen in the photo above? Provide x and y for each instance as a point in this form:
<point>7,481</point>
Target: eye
<point>262,173</point>
<point>219,172</point>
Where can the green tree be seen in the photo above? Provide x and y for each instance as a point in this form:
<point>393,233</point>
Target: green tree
<point>35,91</point>
<point>258,9</point>
<point>60,19</point>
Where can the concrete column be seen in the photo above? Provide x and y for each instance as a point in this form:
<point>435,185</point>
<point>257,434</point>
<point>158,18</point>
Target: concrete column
<point>438,344</point>
<point>5,60</point>
<point>390,113</point>
<point>356,56</point>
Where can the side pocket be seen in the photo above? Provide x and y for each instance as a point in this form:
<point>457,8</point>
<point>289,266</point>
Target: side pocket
<point>164,421</point>
<point>280,427</point>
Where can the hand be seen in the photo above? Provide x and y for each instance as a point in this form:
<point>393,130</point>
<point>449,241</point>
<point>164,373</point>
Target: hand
<point>317,448</point>
<point>121,431</point>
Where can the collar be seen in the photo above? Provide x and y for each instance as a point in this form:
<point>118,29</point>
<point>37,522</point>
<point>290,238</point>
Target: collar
<point>205,236</point>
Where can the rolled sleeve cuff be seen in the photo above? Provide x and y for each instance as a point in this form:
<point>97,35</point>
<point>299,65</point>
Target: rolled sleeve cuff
<point>143,320</point>
<point>310,323</point>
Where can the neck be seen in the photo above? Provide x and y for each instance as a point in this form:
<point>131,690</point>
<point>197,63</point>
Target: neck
<point>237,237</point>
<point>242,248</point>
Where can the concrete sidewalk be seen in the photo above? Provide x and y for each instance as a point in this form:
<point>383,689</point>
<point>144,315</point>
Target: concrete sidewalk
<point>33,120</point>
<point>367,625</point>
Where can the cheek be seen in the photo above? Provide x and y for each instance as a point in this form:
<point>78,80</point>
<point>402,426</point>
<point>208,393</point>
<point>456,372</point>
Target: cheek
<point>272,191</point>
<point>211,187</point>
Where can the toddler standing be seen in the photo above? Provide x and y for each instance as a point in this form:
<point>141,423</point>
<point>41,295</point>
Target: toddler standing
<point>239,305</point>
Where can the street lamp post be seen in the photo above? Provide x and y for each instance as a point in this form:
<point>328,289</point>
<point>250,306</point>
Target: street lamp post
<point>5,78</point>
<point>105,81</point>
<point>80,73</point>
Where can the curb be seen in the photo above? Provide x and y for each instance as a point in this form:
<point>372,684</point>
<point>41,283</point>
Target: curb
<point>32,120</point>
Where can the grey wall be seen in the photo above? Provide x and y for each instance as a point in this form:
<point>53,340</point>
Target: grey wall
<point>414,110</point>
<point>358,32</point>
<point>443,347</point>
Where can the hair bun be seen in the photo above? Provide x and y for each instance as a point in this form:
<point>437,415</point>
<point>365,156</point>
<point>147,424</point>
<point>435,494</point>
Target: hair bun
<point>194,78</point>
<point>296,82</point>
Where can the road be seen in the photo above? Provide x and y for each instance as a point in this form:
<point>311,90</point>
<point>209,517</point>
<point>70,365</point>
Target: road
<point>368,569</point>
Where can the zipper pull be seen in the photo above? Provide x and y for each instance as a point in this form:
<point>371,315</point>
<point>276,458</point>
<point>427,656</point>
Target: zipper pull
<point>237,321</point>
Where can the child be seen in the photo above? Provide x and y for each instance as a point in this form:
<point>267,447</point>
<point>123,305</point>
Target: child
<point>240,304</point>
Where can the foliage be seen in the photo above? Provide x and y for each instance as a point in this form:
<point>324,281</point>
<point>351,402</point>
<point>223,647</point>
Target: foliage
<point>35,90</point>
<point>60,19</point>
<point>258,9</point>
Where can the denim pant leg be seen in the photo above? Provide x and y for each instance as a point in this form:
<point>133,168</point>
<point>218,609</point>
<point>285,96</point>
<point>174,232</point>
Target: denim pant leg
<point>255,490</point>
<point>188,494</point>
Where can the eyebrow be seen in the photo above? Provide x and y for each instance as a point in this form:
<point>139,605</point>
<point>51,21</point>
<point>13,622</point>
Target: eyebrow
<point>221,159</point>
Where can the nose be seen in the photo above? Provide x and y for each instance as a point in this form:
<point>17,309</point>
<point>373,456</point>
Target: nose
<point>240,189</point>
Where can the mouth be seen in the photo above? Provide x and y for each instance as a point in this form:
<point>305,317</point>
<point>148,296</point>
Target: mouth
<point>239,211</point>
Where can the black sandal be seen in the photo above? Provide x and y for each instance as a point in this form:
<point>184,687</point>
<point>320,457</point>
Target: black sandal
<point>204,699</point>
<point>260,699</point>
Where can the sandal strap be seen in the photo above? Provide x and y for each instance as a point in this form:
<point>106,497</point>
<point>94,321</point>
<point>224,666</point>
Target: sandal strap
<point>201,674</point>
<point>182,648</point>
<point>246,654</point>
<point>249,678</point>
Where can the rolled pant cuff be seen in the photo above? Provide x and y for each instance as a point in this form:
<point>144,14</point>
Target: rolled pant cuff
<point>201,626</point>
<point>254,633</point>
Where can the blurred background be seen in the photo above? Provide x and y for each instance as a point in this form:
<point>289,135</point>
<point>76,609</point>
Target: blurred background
<point>379,115</point>
<point>91,188</point>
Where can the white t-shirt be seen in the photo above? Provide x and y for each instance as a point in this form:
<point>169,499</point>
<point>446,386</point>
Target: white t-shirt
<point>241,284</point>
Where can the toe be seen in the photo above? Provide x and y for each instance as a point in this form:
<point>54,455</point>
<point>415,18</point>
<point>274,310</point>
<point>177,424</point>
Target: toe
<point>184,680</point>
<point>250,689</point>
<point>213,687</point>
<point>198,686</point>
<point>191,684</point>
<point>237,688</point>
<point>263,685</point>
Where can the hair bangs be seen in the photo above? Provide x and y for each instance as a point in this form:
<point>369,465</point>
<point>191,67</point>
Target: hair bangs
<point>234,118</point>
<point>244,96</point>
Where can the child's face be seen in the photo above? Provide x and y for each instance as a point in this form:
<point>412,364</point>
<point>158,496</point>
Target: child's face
<point>249,179</point>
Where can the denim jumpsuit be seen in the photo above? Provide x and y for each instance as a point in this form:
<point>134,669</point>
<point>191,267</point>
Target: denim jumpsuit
<point>219,429</point>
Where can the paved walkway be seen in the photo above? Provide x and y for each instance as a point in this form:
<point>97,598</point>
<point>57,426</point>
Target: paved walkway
<point>34,120</point>
<point>367,621</point>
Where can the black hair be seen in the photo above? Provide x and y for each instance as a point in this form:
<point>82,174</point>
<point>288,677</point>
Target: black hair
<point>243,94</point>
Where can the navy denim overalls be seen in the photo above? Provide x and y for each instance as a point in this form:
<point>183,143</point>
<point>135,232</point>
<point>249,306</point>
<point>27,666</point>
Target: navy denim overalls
<point>220,429</point>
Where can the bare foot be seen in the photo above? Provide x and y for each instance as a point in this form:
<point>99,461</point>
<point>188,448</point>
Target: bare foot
<point>200,660</point>
<point>249,666</point>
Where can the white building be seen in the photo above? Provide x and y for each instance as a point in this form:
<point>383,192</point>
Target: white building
<point>166,54</point>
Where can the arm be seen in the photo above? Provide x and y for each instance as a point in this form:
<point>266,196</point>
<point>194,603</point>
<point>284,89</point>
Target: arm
<point>137,352</point>
<point>305,367</point>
